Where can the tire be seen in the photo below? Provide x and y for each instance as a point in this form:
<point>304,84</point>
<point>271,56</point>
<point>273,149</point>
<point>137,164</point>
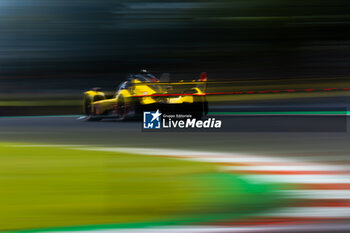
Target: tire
<point>198,108</point>
<point>121,107</point>
<point>86,105</point>
<point>88,111</point>
<point>137,108</point>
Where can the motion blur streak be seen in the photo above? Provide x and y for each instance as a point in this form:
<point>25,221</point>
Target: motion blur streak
<point>54,49</point>
<point>262,56</point>
<point>306,207</point>
<point>285,37</point>
<point>195,229</point>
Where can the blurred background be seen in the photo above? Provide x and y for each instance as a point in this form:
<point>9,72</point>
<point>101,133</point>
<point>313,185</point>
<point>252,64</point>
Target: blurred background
<point>51,51</point>
<point>56,49</point>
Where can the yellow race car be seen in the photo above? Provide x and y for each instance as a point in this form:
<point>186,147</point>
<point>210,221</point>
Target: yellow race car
<point>144,92</point>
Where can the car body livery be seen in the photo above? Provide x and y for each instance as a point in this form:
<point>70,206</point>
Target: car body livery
<point>144,92</point>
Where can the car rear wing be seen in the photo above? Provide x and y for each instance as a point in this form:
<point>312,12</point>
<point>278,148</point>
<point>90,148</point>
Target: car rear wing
<point>180,88</point>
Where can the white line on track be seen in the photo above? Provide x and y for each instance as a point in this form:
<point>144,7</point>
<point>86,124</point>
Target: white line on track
<point>207,229</point>
<point>316,194</point>
<point>220,157</point>
<point>301,179</point>
<point>311,212</point>
<point>200,156</point>
<point>327,158</point>
<point>289,168</point>
<point>154,151</point>
<point>240,159</point>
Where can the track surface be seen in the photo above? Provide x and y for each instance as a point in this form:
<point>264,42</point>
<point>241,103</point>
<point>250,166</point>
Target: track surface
<point>67,130</point>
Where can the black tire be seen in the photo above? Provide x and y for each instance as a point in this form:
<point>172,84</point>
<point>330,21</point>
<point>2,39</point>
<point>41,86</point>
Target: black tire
<point>198,107</point>
<point>138,108</point>
<point>86,105</point>
<point>121,107</point>
<point>88,111</point>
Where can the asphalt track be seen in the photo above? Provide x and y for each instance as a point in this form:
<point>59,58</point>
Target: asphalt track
<point>240,133</point>
<point>263,134</point>
<point>68,130</point>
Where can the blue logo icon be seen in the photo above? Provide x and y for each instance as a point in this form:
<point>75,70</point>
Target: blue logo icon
<point>151,120</point>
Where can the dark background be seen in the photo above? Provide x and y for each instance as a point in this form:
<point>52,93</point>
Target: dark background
<point>63,39</point>
<point>53,50</point>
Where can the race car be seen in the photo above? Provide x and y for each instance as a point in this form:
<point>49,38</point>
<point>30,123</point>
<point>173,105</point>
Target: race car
<point>144,92</point>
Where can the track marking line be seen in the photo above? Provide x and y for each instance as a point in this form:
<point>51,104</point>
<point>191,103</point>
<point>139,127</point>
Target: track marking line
<point>301,179</point>
<point>315,212</point>
<point>289,168</point>
<point>317,194</point>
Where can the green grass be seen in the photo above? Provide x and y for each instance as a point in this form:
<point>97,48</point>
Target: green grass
<point>46,187</point>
